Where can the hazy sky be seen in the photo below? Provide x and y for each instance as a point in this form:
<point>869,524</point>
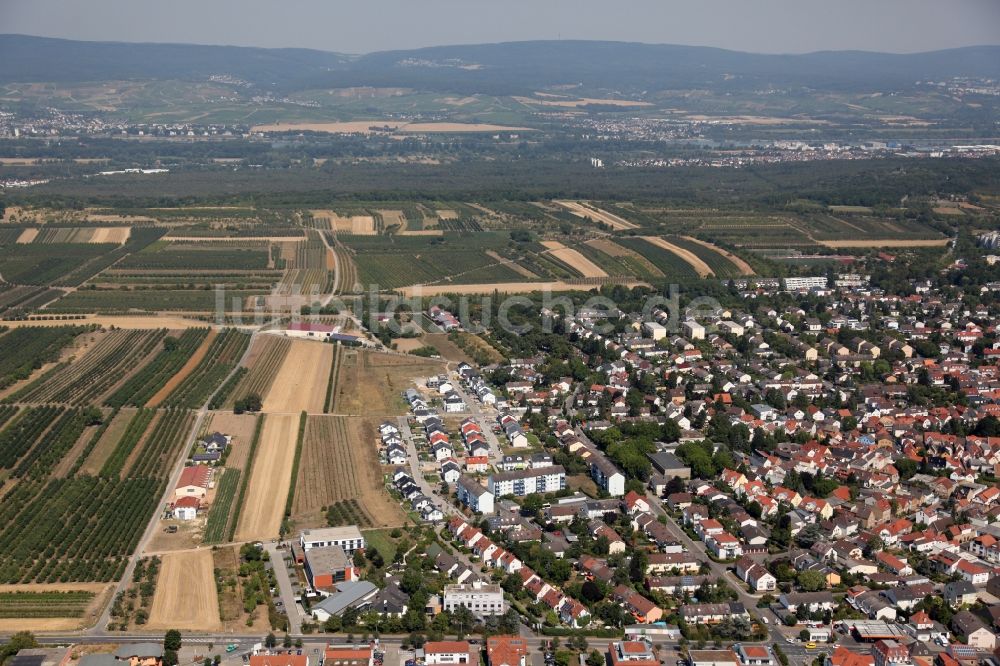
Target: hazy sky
<point>360,26</point>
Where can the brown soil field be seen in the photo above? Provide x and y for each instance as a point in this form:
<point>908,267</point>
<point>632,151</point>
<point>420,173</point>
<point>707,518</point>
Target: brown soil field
<point>513,265</point>
<point>300,384</point>
<point>688,256</point>
<point>340,462</point>
<point>106,444</point>
<point>585,209</point>
<point>446,214</point>
<point>574,259</point>
<point>185,595</point>
<point>408,344</point>
<point>28,235</point>
<point>186,369</point>
<point>948,210</point>
<point>886,242</point>
<point>507,287</point>
<point>363,127</point>
<point>371,383</point>
<point>745,268</point>
<point>260,516</point>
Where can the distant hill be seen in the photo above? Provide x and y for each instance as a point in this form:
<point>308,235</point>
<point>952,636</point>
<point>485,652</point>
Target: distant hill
<point>507,68</point>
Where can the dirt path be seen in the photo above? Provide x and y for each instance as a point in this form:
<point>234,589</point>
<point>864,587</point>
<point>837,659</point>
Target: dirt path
<point>574,259</point>
<point>260,517</point>
<point>745,268</point>
<point>300,384</point>
<point>185,595</point>
<point>186,369</point>
<point>688,256</point>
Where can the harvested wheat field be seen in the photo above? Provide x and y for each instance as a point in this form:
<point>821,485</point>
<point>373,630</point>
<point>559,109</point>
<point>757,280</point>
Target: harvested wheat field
<point>371,383</point>
<point>300,384</point>
<point>584,209</point>
<point>555,100</point>
<point>886,242</point>
<point>689,257</point>
<point>745,268</point>
<point>270,477</point>
<point>340,464</point>
<point>28,235</point>
<point>574,259</point>
<point>186,369</point>
<point>508,287</point>
<point>185,595</point>
<point>116,235</point>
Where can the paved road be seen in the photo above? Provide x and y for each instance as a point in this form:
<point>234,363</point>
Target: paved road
<point>414,460</point>
<point>285,587</point>
<point>480,417</point>
<point>720,570</point>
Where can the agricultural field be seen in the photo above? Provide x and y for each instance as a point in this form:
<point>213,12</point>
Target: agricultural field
<point>262,508</point>
<point>618,261</point>
<point>576,261</point>
<point>371,383</point>
<point>220,514</point>
<point>143,385</point>
<point>193,389</point>
<point>185,593</point>
<point>667,262</point>
<point>50,607</point>
<point>263,363</point>
<point>24,350</point>
<point>587,210</point>
<point>300,382</point>
<point>90,378</point>
<point>53,234</point>
<point>397,261</point>
<point>162,255</point>
<point>340,468</point>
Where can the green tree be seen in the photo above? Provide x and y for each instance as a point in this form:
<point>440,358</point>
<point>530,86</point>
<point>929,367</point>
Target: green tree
<point>811,581</point>
<point>595,658</point>
<point>270,641</point>
<point>172,640</point>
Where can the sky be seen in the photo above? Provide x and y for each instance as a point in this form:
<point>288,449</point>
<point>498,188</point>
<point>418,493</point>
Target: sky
<point>362,26</point>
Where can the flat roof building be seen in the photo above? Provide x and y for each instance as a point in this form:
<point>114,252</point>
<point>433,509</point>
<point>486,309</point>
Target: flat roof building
<point>349,538</point>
